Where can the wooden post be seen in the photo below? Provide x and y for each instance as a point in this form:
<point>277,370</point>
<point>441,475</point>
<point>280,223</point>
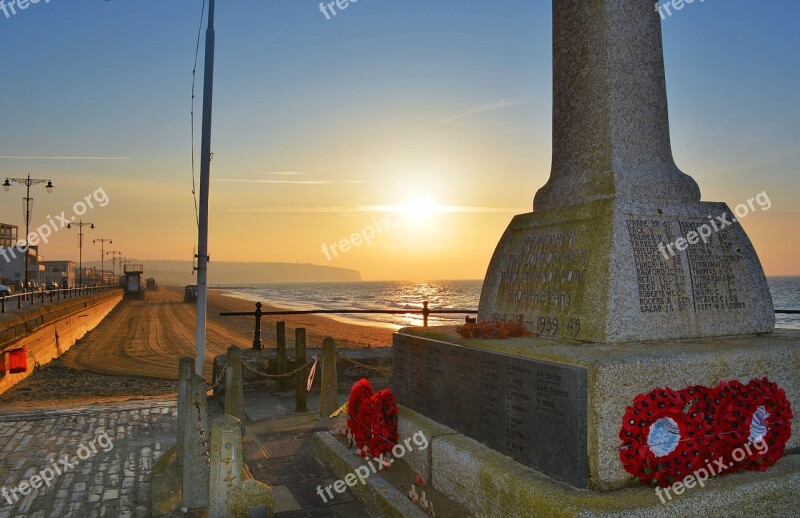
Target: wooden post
<point>280,328</point>
<point>302,376</point>
<point>329,386</point>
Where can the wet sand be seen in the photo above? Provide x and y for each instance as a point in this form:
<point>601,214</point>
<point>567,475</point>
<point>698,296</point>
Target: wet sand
<point>134,352</point>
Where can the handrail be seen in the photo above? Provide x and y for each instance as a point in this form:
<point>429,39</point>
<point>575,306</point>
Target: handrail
<point>59,294</point>
<point>788,311</point>
<point>425,311</point>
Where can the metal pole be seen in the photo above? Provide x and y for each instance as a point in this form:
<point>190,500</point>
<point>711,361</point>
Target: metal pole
<point>80,254</point>
<point>27,225</point>
<point>205,173</point>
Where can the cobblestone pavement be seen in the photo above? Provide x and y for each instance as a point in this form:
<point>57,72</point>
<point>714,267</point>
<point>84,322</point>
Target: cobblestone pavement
<point>113,482</point>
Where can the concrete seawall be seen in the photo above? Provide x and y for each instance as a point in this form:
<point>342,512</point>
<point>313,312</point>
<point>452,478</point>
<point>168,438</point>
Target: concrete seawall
<point>47,332</point>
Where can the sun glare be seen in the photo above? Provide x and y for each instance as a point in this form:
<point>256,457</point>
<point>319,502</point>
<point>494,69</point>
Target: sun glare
<point>418,208</point>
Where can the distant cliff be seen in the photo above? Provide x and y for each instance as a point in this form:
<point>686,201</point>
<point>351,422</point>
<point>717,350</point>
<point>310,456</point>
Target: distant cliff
<point>229,273</point>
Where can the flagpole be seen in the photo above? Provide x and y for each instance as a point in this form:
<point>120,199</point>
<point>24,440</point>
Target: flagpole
<point>205,172</point>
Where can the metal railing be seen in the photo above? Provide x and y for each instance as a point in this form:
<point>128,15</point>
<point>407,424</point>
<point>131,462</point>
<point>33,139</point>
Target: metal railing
<point>425,311</point>
<point>30,297</point>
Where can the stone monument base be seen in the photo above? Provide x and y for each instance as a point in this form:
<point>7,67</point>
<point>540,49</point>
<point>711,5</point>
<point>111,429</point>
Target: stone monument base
<point>556,406</point>
<point>616,270</point>
<point>490,484</point>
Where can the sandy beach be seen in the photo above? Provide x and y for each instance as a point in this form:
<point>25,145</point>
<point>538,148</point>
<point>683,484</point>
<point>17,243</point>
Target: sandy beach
<point>134,352</point>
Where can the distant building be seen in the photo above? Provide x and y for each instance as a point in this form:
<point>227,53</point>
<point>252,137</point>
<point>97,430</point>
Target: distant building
<point>12,264</point>
<point>8,235</point>
<point>60,272</point>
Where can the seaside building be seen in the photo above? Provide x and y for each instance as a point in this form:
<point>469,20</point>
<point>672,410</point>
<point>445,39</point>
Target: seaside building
<point>12,264</point>
<point>61,272</point>
<point>8,235</point>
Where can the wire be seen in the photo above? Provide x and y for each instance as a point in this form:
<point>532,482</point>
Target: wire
<point>194,81</point>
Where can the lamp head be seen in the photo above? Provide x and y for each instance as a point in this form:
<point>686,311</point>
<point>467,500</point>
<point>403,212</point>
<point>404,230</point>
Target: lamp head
<point>92,226</point>
<point>7,185</point>
<point>49,186</point>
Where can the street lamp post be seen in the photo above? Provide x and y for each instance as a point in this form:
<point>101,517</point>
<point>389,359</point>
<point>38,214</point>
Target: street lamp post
<point>102,241</point>
<point>27,182</point>
<point>80,226</point>
<point>114,255</point>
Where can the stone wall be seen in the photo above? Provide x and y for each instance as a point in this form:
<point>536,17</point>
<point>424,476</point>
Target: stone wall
<point>47,332</point>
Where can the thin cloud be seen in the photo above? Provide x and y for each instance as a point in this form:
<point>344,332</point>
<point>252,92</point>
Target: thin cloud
<point>15,157</point>
<point>283,173</point>
<point>285,182</point>
<point>389,209</point>
<point>498,104</point>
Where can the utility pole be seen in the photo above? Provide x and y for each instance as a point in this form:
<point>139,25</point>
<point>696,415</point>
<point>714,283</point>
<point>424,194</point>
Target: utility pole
<point>80,226</point>
<point>27,182</point>
<point>205,173</point>
<point>102,241</point>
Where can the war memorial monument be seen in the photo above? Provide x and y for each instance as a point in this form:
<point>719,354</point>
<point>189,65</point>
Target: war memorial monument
<point>631,284</point>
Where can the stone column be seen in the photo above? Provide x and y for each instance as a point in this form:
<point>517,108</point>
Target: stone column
<point>185,371</point>
<point>234,384</point>
<point>195,443</point>
<point>610,121</point>
<point>226,463</point>
<point>329,387</point>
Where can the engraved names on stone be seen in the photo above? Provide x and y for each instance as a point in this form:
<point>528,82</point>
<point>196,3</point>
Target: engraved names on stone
<point>661,281</point>
<point>715,267</point>
<point>533,411</point>
<point>709,269</point>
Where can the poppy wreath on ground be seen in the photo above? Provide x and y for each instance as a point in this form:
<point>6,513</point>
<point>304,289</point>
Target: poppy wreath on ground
<point>665,435</point>
<point>750,414</point>
<point>358,420</point>
<point>372,419</point>
<point>384,425</point>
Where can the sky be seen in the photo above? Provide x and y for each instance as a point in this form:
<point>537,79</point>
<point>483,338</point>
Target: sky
<point>427,124</point>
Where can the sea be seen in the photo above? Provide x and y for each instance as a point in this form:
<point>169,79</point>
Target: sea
<point>439,294</point>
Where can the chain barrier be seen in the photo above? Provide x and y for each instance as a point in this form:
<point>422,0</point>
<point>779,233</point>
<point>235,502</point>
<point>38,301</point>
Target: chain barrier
<point>278,376</point>
<point>217,381</point>
<point>386,371</point>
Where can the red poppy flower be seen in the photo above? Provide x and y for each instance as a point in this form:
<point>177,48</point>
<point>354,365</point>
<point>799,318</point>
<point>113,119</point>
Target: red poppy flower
<point>665,435</point>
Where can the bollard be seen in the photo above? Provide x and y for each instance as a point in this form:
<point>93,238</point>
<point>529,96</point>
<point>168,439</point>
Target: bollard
<point>195,467</point>
<point>329,387</point>
<point>300,401</point>
<point>19,301</point>
<point>226,463</point>
<point>234,383</point>
<point>185,370</point>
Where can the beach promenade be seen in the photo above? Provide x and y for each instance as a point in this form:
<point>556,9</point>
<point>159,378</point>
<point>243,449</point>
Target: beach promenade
<point>117,387</point>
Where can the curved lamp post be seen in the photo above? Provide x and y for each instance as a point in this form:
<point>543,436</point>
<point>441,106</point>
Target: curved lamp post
<point>80,226</point>
<point>27,182</point>
<point>102,241</point>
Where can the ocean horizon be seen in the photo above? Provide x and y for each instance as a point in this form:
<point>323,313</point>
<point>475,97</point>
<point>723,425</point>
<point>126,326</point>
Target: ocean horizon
<point>447,294</point>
